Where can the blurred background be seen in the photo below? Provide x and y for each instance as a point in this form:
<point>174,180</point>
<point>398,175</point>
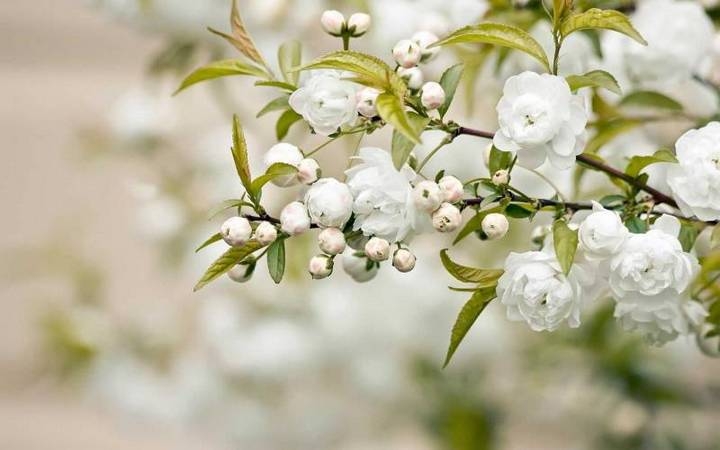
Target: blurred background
<point>107,183</point>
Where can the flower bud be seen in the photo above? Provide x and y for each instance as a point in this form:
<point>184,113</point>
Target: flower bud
<point>332,22</point>
<point>265,233</point>
<point>427,196</point>
<point>236,231</point>
<point>447,218</point>
<point>320,266</point>
<point>432,95</point>
<point>377,249</point>
<point>329,203</point>
<point>331,241</point>
<point>406,53</point>
<point>358,24</point>
<point>366,99</point>
<point>495,225</point>
<point>308,171</point>
<point>403,260</point>
<point>451,188</point>
<point>501,177</point>
<point>359,268</point>
<point>424,39</point>
<point>412,76</point>
<point>294,219</point>
<point>241,273</point>
<point>287,154</point>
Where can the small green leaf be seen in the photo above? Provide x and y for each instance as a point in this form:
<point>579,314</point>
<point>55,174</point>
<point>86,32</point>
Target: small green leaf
<point>595,78</point>
<point>449,82</point>
<point>603,19</point>
<point>499,160</point>
<point>613,200</point>
<point>474,223</point>
<point>688,235</point>
<point>277,104</point>
<point>566,242</point>
<point>219,69</point>
<point>392,111</point>
<point>226,262</point>
<point>274,171</point>
<point>636,225</point>
<point>239,153</point>
<point>227,204</point>
<point>608,131</point>
<point>240,38</point>
<point>650,99</point>
<point>485,277</point>
<point>498,34</point>
<point>467,317</point>
<point>289,57</point>
<point>277,84</point>
<point>520,210</point>
<point>285,121</point>
<point>276,260</point>
<point>402,146</point>
<point>715,237</point>
<point>211,240</point>
<point>638,163</point>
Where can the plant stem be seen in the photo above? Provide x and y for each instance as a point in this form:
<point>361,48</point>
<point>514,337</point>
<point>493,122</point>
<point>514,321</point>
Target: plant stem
<point>446,140</point>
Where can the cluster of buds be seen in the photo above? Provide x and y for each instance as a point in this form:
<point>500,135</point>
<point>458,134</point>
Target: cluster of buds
<point>308,170</point>
<point>334,24</point>
<point>437,199</point>
<point>236,232</point>
<point>409,54</point>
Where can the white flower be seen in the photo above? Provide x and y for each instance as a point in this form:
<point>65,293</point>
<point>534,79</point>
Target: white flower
<point>602,233</point>
<point>366,99</point>
<point>432,95</point>
<point>427,196</point>
<point>447,218</point>
<point>358,24</point>
<point>425,39</point>
<point>358,267</point>
<point>326,101</point>
<point>407,53</point>
<point>331,241</point>
<point>540,118</point>
<point>265,233</point>
<point>377,249</point>
<point>495,225</point>
<point>236,231</point>
<point>451,188</point>
<point>403,260</point>
<point>308,171</point>
<point>534,289</point>
<point>287,154</point>
<point>329,203</point>
<point>413,76</point>
<point>650,280</point>
<point>320,266</point>
<point>294,219</point>
<point>695,181</point>
<point>332,22</point>
<point>383,204</point>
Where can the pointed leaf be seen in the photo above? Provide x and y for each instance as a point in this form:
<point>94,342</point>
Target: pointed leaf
<point>609,131</point>
<point>402,146</point>
<point>242,39</point>
<point>475,223</point>
<point>289,57</point>
<point>499,160</point>
<point>715,237</point>
<point>650,99</point>
<point>286,120</point>
<point>595,78</point>
<point>211,240</point>
<point>638,163</point>
<point>239,153</point>
<point>226,262</point>
<point>449,82</point>
<point>485,277</point>
<point>566,243</point>
<point>392,111</point>
<point>276,260</point>
<point>218,69</point>
<point>274,171</point>
<point>603,19</point>
<point>277,104</point>
<point>467,317</point>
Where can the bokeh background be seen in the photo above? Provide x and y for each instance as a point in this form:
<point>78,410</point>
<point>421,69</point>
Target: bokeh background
<point>106,187</point>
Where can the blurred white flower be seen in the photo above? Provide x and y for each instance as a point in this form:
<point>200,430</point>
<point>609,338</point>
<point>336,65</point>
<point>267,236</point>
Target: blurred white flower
<point>413,76</point>
<point>141,114</point>
<point>359,268</point>
<point>326,101</point>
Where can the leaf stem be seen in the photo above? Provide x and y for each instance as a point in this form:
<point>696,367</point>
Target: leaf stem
<point>446,140</point>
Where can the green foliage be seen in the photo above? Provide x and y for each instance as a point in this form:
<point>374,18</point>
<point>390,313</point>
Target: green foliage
<point>636,225</point>
<point>475,223</point>
<point>715,237</point>
<point>277,104</point>
<point>499,160</point>
<point>402,146</point>
<point>638,163</point>
<point>274,171</point>
<point>290,57</point>
<point>520,210</point>
<point>467,317</point>
<point>211,240</point>
<point>449,82</point>
<point>391,109</point>
<point>285,121</point>
<point>594,78</point>
<point>239,154</point>
<point>565,241</point>
<point>240,38</point>
<point>227,261</point>
<point>688,235</point>
<point>276,260</point>
<point>600,19</point>
<point>484,277</point>
<point>650,99</point>
<point>219,69</point>
<point>498,34</point>
<point>608,131</point>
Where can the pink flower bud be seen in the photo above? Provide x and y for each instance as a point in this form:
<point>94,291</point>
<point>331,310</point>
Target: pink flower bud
<point>412,76</point>
<point>294,219</point>
<point>366,98</point>
<point>377,249</point>
<point>331,241</point>
<point>332,22</point>
<point>236,231</point>
<point>320,266</point>
<point>495,225</point>
<point>452,188</point>
<point>433,95</point>
<point>427,196</point>
<point>265,233</point>
<point>447,218</point>
<point>358,24</point>
<point>406,53</point>
<point>308,171</point>
<point>403,260</point>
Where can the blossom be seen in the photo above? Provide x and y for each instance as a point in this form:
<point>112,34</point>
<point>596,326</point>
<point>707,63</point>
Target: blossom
<point>358,267</point>
<point>650,279</point>
<point>332,22</point>
<point>265,233</point>
<point>383,203</point>
<point>366,98</point>
<point>377,249</point>
<point>602,233</point>
<point>407,53</point>
<point>495,225</point>
<point>320,266</point>
<point>447,218</point>
<point>695,181</point>
<point>326,101</point>
<point>331,241</point>
<point>294,219</point>
<point>427,196</point>
<point>308,171</point>
<point>432,95</point>
<point>329,203</point>
<point>451,188</point>
<point>287,154</point>
<point>540,118</point>
<point>236,231</point>
<point>403,260</point>
<point>358,24</point>
<point>534,289</point>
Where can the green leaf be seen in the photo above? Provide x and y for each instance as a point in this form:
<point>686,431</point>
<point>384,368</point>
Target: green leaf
<point>474,223</point>
<point>594,78</point>
<point>449,82</point>
<point>498,34</point>
<point>276,260</point>
<point>609,131</point>
<point>499,160</point>
<point>638,163</point>
<point>226,262</point>
<point>688,235</point>
<point>603,19</point>
<point>239,153</point>
<point>277,84</point>
<point>218,69</point>
<point>211,240</point>
<point>240,38</point>
<point>289,57</point>
<point>227,204</point>
<point>277,104</point>
<point>391,110</point>
<point>285,121</point>
<point>715,237</point>
<point>520,210</point>
<point>636,225</point>
<point>274,171</point>
<point>650,99</point>
<point>467,317</point>
<point>485,277</point>
<point>402,146</point>
<point>566,243</point>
